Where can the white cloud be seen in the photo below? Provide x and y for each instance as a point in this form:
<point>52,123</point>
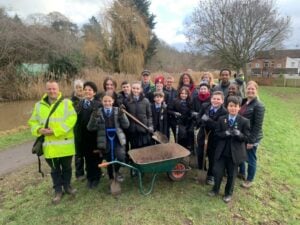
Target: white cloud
<point>170,14</point>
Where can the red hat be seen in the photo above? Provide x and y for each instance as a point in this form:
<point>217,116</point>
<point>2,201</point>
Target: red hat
<point>159,79</point>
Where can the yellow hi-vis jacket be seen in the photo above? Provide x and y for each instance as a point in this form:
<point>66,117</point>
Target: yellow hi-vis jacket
<point>62,121</point>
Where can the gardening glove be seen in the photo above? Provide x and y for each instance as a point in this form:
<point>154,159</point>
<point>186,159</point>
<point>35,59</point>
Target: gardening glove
<point>205,118</point>
<point>227,133</point>
<point>236,132</point>
<point>177,114</point>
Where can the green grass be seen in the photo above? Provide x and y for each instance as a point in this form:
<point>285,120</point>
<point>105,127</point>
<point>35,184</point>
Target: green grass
<point>274,199</point>
<point>7,140</point>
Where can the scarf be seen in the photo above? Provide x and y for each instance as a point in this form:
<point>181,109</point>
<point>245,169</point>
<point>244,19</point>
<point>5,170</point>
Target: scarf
<point>203,97</point>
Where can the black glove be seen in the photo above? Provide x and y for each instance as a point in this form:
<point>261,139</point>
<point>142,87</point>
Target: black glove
<point>164,105</point>
<point>150,129</point>
<point>227,133</point>
<point>205,118</point>
<point>177,114</point>
<point>195,114</point>
<point>122,108</point>
<point>236,132</point>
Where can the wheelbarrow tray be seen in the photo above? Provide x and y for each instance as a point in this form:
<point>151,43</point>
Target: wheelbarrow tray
<point>158,158</point>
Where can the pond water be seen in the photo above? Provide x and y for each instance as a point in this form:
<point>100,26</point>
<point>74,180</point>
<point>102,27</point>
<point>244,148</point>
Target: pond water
<point>15,114</point>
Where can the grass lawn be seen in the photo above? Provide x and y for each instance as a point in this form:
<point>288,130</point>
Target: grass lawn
<point>14,137</point>
<point>274,199</point>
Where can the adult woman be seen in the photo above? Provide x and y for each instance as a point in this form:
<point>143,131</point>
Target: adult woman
<point>186,80</point>
<point>110,86</point>
<point>253,110</point>
<point>77,94</point>
<point>86,140</point>
<point>208,77</point>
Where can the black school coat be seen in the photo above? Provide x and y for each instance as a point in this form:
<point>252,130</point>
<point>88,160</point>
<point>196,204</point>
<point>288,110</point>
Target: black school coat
<point>160,119</point>
<point>237,144</point>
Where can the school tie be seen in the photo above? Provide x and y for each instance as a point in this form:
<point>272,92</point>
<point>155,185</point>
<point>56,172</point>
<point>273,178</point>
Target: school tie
<point>211,112</point>
<point>86,104</point>
<point>231,121</point>
<point>107,112</point>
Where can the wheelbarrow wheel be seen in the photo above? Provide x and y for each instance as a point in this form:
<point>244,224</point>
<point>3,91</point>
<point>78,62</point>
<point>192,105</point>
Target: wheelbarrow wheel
<point>178,172</point>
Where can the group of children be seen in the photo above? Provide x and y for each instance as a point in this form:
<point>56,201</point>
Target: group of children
<point>161,108</point>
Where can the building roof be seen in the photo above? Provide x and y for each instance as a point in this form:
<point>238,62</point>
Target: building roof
<point>277,54</point>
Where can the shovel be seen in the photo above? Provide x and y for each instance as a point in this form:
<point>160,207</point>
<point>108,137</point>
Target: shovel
<point>157,136</point>
<point>115,187</point>
<point>202,173</point>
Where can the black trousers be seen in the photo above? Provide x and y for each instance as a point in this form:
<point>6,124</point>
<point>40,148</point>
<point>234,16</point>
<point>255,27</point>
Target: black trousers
<point>119,155</point>
<point>61,172</point>
<point>79,160</point>
<point>220,165</point>
<point>93,172</point>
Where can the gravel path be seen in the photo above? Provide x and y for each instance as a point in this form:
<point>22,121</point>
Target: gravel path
<point>16,157</point>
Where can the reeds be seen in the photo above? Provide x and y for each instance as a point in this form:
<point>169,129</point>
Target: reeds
<point>26,87</point>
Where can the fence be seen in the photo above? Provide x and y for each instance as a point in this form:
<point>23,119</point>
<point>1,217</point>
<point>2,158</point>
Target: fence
<point>276,81</point>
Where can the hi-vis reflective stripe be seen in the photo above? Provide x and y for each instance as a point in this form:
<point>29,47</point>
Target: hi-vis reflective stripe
<point>65,127</point>
<point>62,142</point>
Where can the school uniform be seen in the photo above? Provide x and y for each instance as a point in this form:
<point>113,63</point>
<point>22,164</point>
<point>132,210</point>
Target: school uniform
<point>85,141</point>
<point>110,118</point>
<point>209,127</point>
<point>230,150</point>
<point>160,118</point>
<point>184,122</point>
<point>140,108</point>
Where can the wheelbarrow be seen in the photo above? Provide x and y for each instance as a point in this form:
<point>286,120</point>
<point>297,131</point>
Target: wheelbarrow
<point>156,159</point>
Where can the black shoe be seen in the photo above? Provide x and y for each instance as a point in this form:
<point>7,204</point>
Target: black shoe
<point>80,178</point>
<point>241,176</point>
<point>57,198</point>
<point>210,180</point>
<point>94,184</point>
<point>227,198</point>
<point>89,184</point>
<point>212,194</point>
<point>70,191</point>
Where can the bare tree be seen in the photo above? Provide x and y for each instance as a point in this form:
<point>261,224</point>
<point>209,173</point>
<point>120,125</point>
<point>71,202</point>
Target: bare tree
<point>236,30</point>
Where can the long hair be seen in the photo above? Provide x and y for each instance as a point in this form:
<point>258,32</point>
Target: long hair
<point>180,83</point>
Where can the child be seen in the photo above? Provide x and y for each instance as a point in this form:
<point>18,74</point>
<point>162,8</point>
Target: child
<point>180,112</point>
<point>233,131</point>
<point>159,113</point>
<point>140,107</point>
<point>86,140</point>
<point>124,94</point>
<point>110,117</point>
<point>210,113</point>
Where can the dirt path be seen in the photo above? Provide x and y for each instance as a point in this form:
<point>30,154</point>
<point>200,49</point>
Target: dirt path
<point>15,158</point>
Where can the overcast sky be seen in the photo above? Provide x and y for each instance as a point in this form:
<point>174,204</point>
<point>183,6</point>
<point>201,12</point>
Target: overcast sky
<point>170,14</point>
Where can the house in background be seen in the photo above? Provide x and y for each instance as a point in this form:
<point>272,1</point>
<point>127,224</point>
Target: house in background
<point>274,62</point>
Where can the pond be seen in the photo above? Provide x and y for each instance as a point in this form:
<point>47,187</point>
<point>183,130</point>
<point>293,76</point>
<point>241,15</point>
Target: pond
<point>15,114</point>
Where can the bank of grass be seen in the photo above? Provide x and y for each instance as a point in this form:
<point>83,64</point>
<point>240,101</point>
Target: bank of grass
<point>25,197</point>
<point>14,137</point>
